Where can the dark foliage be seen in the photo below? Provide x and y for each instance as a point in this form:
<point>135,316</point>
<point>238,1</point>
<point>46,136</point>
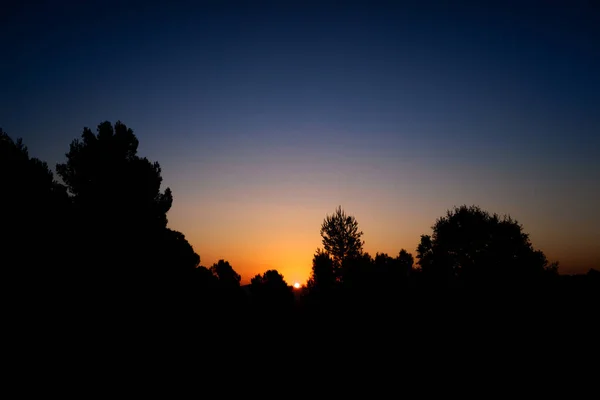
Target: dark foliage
<point>341,238</point>
<point>120,211</point>
<point>104,233</point>
<point>470,247</point>
<point>35,218</point>
<point>271,293</point>
<point>226,276</point>
<point>323,276</point>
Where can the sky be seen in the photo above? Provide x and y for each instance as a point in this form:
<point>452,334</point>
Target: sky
<point>265,116</point>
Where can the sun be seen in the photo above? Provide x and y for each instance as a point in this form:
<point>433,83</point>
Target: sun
<point>296,285</point>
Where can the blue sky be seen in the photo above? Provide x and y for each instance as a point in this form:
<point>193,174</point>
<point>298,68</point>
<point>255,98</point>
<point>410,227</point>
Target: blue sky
<point>396,112</point>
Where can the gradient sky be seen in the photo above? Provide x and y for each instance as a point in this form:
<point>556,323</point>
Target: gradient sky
<point>266,116</point>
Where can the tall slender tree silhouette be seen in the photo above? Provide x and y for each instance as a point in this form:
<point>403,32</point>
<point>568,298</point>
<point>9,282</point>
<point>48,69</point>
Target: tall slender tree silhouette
<point>341,238</point>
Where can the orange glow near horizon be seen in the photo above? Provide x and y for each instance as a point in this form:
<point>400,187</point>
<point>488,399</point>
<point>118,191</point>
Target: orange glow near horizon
<point>258,237</point>
<point>263,130</point>
<point>259,215</point>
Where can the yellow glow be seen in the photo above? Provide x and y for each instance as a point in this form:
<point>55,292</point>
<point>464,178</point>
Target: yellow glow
<point>297,285</point>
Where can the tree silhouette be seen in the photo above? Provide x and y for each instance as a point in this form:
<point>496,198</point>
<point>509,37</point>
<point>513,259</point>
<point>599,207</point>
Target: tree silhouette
<point>392,272</point>
<point>424,251</point>
<point>341,238</point>
<point>358,272</point>
<point>384,265</point>
<point>322,277</point>
<point>120,209</point>
<point>472,247</point>
<point>385,276</point>
<point>204,280</point>
<point>271,291</point>
<point>35,214</point>
<point>177,252</point>
<point>229,294</point>
<point>405,262</point>
<point>226,275</point>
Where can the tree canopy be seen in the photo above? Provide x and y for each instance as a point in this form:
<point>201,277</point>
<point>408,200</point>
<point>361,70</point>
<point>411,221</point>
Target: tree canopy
<point>120,210</point>
<point>226,275</point>
<point>34,210</point>
<point>106,224</point>
<point>271,290</point>
<point>470,245</point>
<point>109,180</point>
<point>341,237</point>
<point>322,277</point>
